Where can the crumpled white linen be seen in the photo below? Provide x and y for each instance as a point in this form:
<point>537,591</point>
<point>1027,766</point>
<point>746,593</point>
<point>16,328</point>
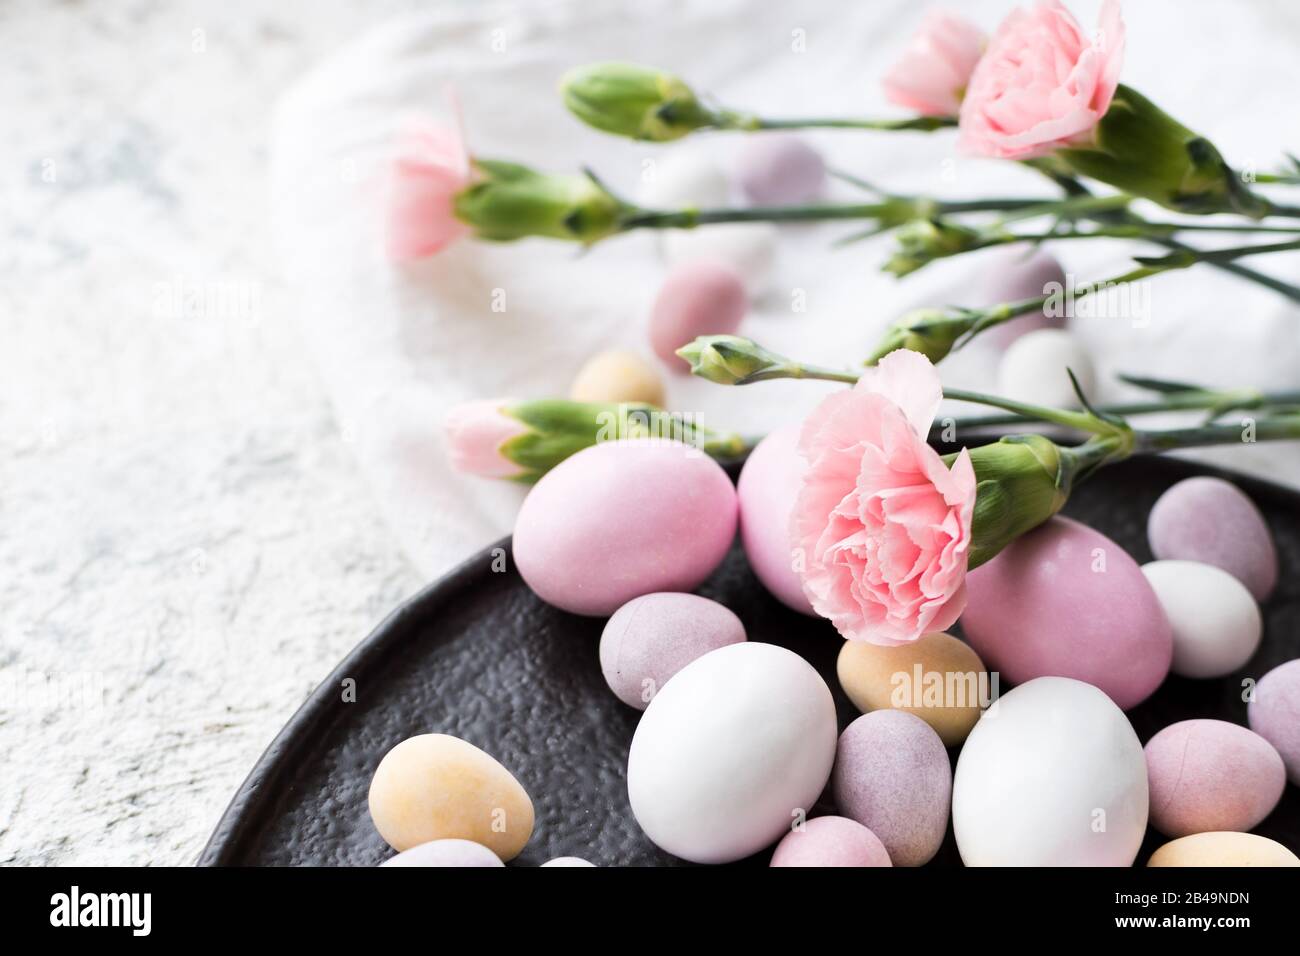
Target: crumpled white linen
<point>399,345</point>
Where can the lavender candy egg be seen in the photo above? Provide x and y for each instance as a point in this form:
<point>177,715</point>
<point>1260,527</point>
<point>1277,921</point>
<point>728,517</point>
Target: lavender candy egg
<point>1064,600</point>
<point>831,841</point>
<point>1216,623</point>
<point>624,518</point>
<point>1212,521</point>
<point>697,298</point>
<point>1274,714</point>
<point>768,486</point>
<point>892,775</point>
<point>1210,775</point>
<point>446,853</point>
<point>1012,276</point>
<point>776,170</point>
<point>651,638</point>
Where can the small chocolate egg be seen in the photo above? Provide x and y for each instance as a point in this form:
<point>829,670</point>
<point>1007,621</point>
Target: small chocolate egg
<point>1011,275</point>
<point>438,787</point>
<point>830,841</point>
<point>651,638</point>
<point>683,177</point>
<point>1212,521</point>
<point>1211,775</point>
<point>768,486</point>
<point>1223,849</point>
<point>568,861</point>
<point>624,518</point>
<point>747,248</point>
<point>1035,368</point>
<point>697,298</point>
<point>892,775</point>
<point>779,169</point>
<point>1216,623</point>
<point>445,853</point>
<point>937,678</point>
<point>617,376</point>
<point>1274,714</point>
<point>1064,600</point>
<point>1052,775</point>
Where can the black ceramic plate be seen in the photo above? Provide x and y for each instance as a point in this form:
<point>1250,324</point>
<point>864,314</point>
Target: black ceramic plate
<point>478,656</point>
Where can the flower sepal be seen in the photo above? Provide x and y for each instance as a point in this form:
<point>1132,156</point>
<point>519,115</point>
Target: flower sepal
<point>509,201</point>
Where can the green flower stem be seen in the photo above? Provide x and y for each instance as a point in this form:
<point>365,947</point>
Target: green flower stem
<point>732,120</point>
<point>892,210</point>
<point>1191,400</point>
<point>1084,421</point>
<point>800,370</point>
<point>1265,429</point>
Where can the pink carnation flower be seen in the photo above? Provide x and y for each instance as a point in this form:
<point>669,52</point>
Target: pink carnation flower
<point>936,67</point>
<point>882,524</point>
<point>1043,83</point>
<point>431,167</point>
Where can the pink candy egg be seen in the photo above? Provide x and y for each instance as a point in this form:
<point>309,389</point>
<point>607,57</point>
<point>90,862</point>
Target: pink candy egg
<point>1274,714</point>
<point>892,776</point>
<point>1066,601</point>
<point>621,519</point>
<point>445,853</point>
<point>651,638</point>
<point>831,841</point>
<point>1011,276</point>
<point>698,298</point>
<point>1212,521</point>
<point>1210,775</point>
<point>776,169</point>
<point>768,486</point>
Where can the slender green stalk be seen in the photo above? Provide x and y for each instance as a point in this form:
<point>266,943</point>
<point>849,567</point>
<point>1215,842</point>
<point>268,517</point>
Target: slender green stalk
<point>1191,400</point>
<point>731,120</point>
<point>1265,429</point>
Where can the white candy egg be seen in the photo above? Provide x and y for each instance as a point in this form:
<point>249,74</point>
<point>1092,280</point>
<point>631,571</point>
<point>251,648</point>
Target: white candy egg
<point>730,750</point>
<point>1033,369</point>
<point>748,248</point>
<point>1052,775</point>
<point>684,177</point>
<point>1216,621</point>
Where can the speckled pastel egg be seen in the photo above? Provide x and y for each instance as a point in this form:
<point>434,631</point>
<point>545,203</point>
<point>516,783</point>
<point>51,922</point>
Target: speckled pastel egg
<point>1216,623</point>
<point>651,638</point>
<point>446,853</point>
<point>937,678</point>
<point>747,248</point>
<point>892,775</point>
<point>779,170</point>
<point>624,518</point>
<point>1064,600</point>
<point>697,298</point>
<point>1212,521</point>
<point>830,841</point>
<point>1052,775</point>
<point>767,489</point>
<point>1223,849</point>
<point>568,861</point>
<point>731,751</point>
<point>438,787</point>
<point>1011,275</point>
<point>1211,775</point>
<point>617,376</point>
<point>1274,714</point>
<point>683,177</point>
<point>1034,368</point>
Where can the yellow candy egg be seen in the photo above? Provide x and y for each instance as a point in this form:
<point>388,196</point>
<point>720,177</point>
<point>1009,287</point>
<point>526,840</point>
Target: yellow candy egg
<point>1223,849</point>
<point>617,376</point>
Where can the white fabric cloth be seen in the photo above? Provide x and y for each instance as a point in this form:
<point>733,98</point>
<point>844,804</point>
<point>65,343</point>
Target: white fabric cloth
<point>399,346</point>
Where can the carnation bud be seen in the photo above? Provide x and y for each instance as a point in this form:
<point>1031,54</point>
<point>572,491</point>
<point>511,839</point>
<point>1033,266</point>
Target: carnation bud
<point>924,240</point>
<point>728,359</point>
<point>508,201</point>
<point>932,332</point>
<point>634,101</point>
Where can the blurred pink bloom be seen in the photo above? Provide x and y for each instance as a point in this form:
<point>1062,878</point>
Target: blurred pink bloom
<point>882,524</point>
<point>1043,83</point>
<point>431,167</point>
<point>475,433</point>
<point>935,69</point>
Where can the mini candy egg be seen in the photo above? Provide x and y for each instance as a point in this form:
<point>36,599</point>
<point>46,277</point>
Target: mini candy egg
<point>1212,521</point>
<point>1211,775</point>
<point>747,248</point>
<point>445,853</point>
<point>1066,601</point>
<point>731,751</point>
<point>437,787</point>
<point>1274,714</point>
<point>831,841</point>
<point>892,775</point>
<point>568,861</point>
<point>1216,623</point>
<point>1034,369</point>
<point>937,678</point>
<point>684,177</point>
<point>1223,849</point>
<point>624,518</point>
<point>768,486</point>
<point>651,638</point>
<point>617,376</point>
<point>1012,276</point>
<point>1052,775</point>
<point>697,298</point>
<point>779,170</point>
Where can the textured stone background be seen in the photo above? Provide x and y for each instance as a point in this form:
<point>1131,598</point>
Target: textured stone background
<point>186,547</point>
